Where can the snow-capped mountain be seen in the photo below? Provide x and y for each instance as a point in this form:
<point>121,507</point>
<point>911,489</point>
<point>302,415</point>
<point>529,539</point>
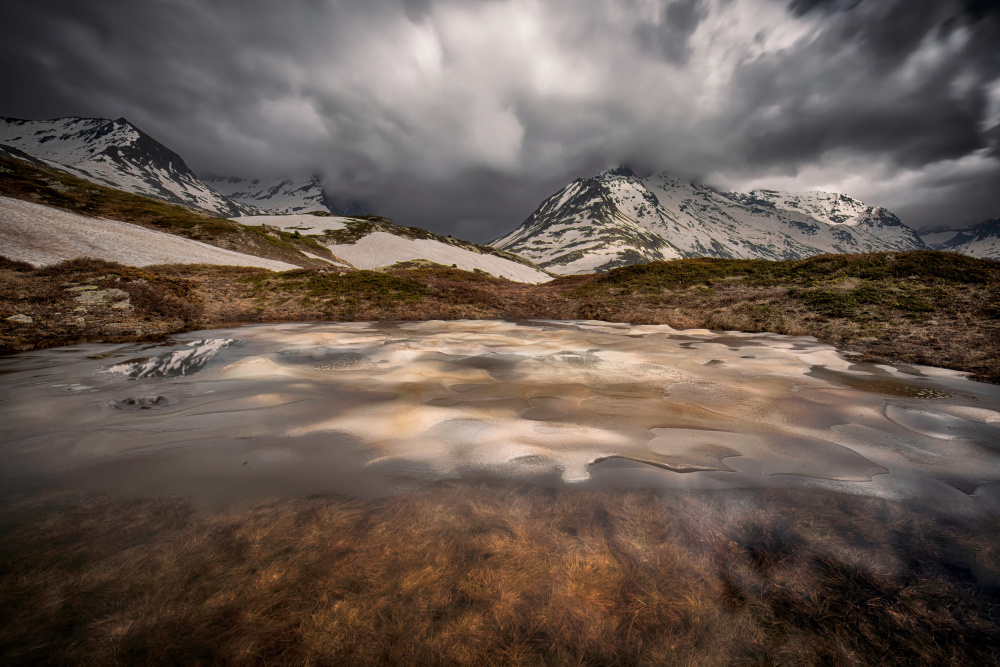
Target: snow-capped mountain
<point>282,196</point>
<point>118,154</point>
<point>980,240</point>
<point>617,218</point>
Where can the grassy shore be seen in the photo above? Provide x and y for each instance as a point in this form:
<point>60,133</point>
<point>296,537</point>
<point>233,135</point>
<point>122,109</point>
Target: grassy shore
<point>480,573</point>
<point>933,308</point>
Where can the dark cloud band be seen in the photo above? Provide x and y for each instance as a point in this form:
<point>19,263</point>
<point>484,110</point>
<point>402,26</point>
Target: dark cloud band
<point>462,116</point>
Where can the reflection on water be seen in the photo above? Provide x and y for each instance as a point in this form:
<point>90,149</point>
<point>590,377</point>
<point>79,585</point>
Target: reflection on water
<point>367,410</point>
<point>185,361</point>
<point>881,382</point>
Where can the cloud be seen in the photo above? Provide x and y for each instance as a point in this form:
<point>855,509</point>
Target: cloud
<point>462,116</point>
<point>670,33</point>
<point>802,7</point>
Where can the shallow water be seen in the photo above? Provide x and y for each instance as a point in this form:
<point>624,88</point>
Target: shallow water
<point>364,409</point>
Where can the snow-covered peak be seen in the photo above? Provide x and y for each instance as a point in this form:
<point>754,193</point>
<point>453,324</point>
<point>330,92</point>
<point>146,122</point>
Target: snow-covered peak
<point>619,170</point>
<point>667,181</point>
<point>979,240</point>
<point>278,196</point>
<point>830,207</point>
<point>71,141</point>
<point>617,218</point>
<point>114,153</point>
<point>875,216</point>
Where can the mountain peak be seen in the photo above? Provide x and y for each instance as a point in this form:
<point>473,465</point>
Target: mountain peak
<point>619,169</point>
<point>114,153</point>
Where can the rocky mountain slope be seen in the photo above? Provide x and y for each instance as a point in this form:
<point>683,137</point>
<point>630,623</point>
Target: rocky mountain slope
<point>282,196</point>
<point>617,218</point>
<point>114,153</point>
<point>980,240</point>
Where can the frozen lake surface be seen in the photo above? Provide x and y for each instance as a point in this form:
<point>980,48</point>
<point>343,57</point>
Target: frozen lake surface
<point>370,409</point>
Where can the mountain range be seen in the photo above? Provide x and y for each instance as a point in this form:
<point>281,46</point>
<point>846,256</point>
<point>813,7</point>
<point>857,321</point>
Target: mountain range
<point>981,240</point>
<point>612,219</point>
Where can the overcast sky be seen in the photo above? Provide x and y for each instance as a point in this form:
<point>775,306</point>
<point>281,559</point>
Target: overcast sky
<point>462,117</point>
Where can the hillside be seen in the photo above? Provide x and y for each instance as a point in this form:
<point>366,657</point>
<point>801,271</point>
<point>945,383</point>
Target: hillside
<point>41,184</point>
<point>42,235</point>
<point>374,242</point>
<point>299,240</point>
<point>617,218</point>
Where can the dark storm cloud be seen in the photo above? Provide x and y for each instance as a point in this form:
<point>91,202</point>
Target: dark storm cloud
<point>848,91</point>
<point>802,7</point>
<point>669,34</point>
<point>900,82</point>
<point>462,116</point>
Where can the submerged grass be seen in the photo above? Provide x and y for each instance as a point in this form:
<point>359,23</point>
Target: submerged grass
<point>477,573</point>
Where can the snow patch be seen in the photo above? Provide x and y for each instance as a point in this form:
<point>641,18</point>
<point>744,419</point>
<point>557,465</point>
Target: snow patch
<point>43,235</point>
<point>384,249</point>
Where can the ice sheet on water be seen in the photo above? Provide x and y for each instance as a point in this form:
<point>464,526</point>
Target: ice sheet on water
<point>568,401</point>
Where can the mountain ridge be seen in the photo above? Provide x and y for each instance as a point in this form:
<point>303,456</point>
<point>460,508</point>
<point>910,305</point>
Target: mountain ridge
<point>283,196</point>
<point>979,240</point>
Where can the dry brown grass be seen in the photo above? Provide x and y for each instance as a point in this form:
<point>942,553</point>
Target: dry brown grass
<point>477,573</point>
<point>158,304</point>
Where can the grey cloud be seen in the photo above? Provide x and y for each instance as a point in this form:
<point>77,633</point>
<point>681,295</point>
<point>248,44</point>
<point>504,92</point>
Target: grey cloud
<point>802,7</point>
<point>891,80</point>
<point>669,36</point>
<point>416,9</point>
<point>462,116</point>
